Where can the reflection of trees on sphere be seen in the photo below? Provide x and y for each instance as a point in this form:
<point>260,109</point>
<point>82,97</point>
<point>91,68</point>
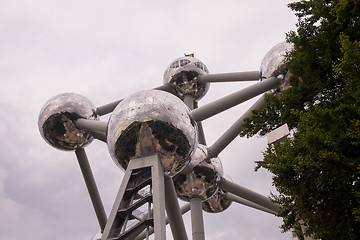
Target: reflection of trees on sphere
<point>183,73</point>
<point>152,122</point>
<point>201,180</point>
<point>60,129</point>
<point>160,137</point>
<point>217,203</point>
<point>57,121</point>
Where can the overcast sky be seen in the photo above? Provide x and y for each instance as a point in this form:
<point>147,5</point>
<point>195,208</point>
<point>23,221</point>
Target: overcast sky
<point>106,50</point>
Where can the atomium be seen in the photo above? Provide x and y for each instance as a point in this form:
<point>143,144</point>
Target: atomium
<point>57,121</point>
<point>155,132</point>
<point>183,73</point>
<point>201,180</point>
<point>152,122</point>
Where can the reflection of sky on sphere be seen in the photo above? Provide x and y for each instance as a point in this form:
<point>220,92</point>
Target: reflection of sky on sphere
<point>56,121</point>
<point>165,121</point>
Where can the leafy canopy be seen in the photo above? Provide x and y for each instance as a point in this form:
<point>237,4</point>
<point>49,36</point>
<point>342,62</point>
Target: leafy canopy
<point>317,171</point>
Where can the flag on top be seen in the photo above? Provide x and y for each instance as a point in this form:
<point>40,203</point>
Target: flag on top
<point>189,55</point>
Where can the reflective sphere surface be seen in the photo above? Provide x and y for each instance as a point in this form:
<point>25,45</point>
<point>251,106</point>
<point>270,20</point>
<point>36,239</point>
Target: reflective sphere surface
<point>273,64</point>
<point>201,181</point>
<point>57,117</point>
<point>217,203</point>
<point>183,73</point>
<point>152,122</point>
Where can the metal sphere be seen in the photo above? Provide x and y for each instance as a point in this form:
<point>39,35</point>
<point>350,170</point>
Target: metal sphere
<point>273,64</point>
<point>201,180</point>
<point>217,203</point>
<point>152,122</point>
<point>184,74</point>
<point>57,121</point>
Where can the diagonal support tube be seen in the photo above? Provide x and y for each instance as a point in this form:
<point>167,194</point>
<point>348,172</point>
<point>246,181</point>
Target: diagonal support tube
<point>91,186</point>
<point>166,87</point>
<point>230,77</point>
<point>101,137</point>
<point>234,198</point>
<point>108,108</point>
<point>233,99</point>
<point>224,140</point>
<point>173,211</point>
<point>248,194</point>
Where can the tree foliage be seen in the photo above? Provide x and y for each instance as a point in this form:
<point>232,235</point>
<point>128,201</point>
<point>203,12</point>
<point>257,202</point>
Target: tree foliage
<point>317,171</point>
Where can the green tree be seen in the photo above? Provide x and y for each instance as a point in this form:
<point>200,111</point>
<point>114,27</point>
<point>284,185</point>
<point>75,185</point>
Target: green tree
<point>317,170</point>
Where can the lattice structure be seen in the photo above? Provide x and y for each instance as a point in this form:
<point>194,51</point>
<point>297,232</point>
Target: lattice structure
<point>157,138</point>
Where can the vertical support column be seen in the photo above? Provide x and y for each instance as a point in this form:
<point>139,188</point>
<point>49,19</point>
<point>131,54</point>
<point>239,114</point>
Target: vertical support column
<point>189,101</point>
<point>158,189</point>
<point>91,186</point>
<point>197,221</point>
<point>173,211</point>
<point>201,137</point>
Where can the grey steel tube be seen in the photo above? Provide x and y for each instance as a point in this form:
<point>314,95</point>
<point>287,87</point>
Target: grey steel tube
<point>197,221</point>
<point>248,194</point>
<point>173,211</point>
<point>224,140</point>
<point>100,136</point>
<point>107,108</point>
<point>165,87</point>
<point>230,77</point>
<point>201,135</point>
<point>91,186</point>
<point>92,125</point>
<point>233,99</point>
<point>234,198</point>
<point>189,101</point>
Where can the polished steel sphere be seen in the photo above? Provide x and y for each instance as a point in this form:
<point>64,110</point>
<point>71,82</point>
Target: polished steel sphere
<point>273,64</point>
<point>183,73</point>
<point>217,203</point>
<point>201,180</point>
<point>152,122</point>
<point>57,121</point>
